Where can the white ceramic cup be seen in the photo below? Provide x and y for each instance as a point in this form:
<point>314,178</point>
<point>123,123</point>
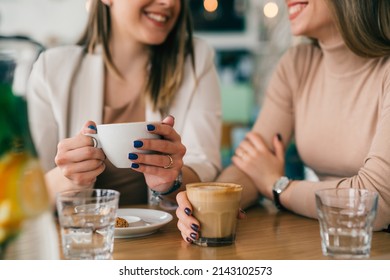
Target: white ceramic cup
<point>117,140</point>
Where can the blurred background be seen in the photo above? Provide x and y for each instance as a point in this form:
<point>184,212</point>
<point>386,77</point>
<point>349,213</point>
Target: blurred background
<point>249,36</point>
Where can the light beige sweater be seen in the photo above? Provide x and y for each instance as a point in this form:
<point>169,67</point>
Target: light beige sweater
<point>337,107</point>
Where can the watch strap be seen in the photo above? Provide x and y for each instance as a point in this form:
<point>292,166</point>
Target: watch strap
<point>280,186</point>
<point>277,200</point>
<point>175,186</point>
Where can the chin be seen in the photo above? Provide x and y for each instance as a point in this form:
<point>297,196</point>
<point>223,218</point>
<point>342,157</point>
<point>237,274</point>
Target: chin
<point>156,43</point>
<point>155,40</point>
<point>298,30</point>
<point>295,32</point>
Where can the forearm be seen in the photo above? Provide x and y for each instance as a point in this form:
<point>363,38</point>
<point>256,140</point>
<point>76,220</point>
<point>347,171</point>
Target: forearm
<point>300,198</point>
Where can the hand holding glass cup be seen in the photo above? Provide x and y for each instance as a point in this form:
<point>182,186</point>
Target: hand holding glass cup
<point>346,218</point>
<point>215,206</point>
<point>87,221</point>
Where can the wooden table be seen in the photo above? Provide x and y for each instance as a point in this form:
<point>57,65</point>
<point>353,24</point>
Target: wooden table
<point>264,234</point>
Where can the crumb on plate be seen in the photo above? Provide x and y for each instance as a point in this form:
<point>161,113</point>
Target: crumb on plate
<point>121,223</point>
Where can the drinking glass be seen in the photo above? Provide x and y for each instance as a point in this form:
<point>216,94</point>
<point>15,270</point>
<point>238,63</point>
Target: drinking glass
<point>87,222</point>
<point>346,218</point>
<point>216,206</point>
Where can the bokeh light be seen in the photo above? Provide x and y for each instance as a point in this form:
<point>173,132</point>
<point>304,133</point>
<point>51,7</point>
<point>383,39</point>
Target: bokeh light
<point>271,10</point>
<point>210,5</point>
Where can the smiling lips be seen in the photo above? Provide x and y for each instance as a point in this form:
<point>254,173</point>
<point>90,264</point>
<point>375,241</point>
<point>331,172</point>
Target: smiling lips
<point>294,9</point>
<point>157,17</point>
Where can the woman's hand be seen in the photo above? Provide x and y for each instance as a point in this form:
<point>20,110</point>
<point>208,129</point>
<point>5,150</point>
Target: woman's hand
<point>261,164</point>
<point>187,224</point>
<point>78,160</point>
<point>162,167</point>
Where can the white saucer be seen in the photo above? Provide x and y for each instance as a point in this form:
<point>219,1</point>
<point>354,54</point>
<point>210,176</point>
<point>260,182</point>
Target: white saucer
<point>154,220</point>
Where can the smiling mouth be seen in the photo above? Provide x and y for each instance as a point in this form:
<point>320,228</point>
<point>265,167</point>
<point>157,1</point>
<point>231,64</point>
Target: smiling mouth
<point>157,17</point>
<point>295,9</point>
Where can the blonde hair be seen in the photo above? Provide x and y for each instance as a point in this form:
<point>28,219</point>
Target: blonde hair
<point>364,25</point>
<point>167,60</point>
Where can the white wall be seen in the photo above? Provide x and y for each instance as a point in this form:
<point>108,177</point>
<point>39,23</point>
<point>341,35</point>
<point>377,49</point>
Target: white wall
<point>50,22</point>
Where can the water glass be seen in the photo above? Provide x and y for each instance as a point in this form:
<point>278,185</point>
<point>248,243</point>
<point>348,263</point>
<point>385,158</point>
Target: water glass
<point>87,221</point>
<point>346,218</point>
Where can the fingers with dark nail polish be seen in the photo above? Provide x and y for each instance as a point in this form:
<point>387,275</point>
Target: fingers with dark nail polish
<point>187,211</point>
<point>133,156</point>
<point>151,127</point>
<point>195,227</point>
<point>138,144</point>
<point>92,127</point>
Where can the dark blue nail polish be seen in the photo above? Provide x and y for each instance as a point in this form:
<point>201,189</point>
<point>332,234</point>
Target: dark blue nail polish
<point>133,156</point>
<point>138,144</point>
<point>195,227</point>
<point>134,165</point>
<point>151,127</point>
<point>187,211</point>
<point>189,240</point>
<point>193,235</point>
<point>92,127</point>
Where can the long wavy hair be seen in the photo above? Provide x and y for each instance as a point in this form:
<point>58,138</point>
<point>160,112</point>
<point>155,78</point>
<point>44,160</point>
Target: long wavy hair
<point>167,60</point>
<point>364,25</point>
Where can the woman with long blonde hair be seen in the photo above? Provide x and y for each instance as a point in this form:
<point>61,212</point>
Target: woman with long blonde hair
<point>333,97</point>
<point>136,61</point>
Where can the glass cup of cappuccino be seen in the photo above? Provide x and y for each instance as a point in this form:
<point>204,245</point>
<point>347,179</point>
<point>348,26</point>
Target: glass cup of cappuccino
<point>215,206</point>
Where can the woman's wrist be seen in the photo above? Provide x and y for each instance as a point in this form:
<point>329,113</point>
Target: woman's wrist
<point>174,187</point>
<point>266,186</point>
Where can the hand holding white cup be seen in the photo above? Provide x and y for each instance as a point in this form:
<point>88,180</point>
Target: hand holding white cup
<point>117,140</point>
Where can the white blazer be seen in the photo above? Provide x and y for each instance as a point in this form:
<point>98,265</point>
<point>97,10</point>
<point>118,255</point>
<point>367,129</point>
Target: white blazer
<point>67,86</point>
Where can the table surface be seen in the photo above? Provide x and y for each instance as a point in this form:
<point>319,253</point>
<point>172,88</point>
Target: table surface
<point>264,234</point>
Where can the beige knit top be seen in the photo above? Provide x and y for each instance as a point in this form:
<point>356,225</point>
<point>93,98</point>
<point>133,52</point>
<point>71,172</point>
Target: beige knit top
<point>337,107</point>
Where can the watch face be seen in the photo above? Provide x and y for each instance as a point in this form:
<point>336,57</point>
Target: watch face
<point>281,184</point>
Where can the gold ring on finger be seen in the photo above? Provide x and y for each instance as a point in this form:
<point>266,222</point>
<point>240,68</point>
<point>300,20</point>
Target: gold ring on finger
<point>170,162</point>
<point>94,142</point>
<point>242,154</point>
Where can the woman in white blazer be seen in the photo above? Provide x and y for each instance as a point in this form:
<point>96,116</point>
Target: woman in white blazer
<point>137,61</point>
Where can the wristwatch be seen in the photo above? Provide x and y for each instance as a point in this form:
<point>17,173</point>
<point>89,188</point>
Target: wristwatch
<point>280,185</point>
<point>175,186</point>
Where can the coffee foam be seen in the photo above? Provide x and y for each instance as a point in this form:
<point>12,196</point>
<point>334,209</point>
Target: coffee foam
<point>206,192</point>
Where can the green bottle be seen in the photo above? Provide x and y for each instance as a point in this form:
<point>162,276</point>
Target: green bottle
<point>26,219</point>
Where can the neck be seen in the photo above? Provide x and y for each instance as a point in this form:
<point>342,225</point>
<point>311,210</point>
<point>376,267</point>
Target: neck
<point>339,59</point>
<point>128,55</point>
<point>328,34</point>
